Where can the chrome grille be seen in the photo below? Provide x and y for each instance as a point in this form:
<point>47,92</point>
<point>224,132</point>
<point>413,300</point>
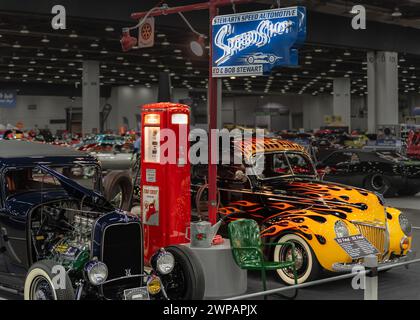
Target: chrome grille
<point>375,234</point>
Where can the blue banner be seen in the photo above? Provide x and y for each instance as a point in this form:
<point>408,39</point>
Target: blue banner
<point>7,99</point>
<point>254,43</point>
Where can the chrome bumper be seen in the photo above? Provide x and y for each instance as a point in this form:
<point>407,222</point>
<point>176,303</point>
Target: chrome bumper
<point>348,267</point>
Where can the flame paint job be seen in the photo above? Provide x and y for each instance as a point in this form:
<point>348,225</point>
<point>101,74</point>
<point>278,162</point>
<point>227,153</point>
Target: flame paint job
<point>307,207</point>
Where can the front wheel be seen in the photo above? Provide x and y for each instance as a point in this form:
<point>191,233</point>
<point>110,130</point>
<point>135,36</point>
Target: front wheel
<point>186,281</point>
<point>48,281</point>
<point>307,265</point>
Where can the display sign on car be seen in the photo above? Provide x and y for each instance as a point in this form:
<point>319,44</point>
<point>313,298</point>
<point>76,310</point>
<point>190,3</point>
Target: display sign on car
<point>254,43</point>
<point>357,246</point>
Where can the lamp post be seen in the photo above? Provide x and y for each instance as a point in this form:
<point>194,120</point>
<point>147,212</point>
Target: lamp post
<point>213,7</point>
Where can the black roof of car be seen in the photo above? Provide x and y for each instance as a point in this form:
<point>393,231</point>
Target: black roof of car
<point>364,154</point>
<point>25,149</point>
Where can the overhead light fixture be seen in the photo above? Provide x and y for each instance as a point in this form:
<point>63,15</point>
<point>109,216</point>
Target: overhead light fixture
<point>24,30</point>
<point>397,13</point>
<point>79,55</point>
<point>94,44</point>
<point>45,40</point>
<point>16,45</point>
<point>109,29</point>
<point>165,43</point>
<point>347,53</point>
<point>104,51</point>
<point>73,34</point>
<point>197,46</point>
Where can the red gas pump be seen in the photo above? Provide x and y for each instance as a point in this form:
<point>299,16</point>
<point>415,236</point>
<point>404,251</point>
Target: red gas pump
<point>165,175</point>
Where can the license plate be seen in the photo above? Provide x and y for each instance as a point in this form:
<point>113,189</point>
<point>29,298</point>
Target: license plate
<point>139,293</point>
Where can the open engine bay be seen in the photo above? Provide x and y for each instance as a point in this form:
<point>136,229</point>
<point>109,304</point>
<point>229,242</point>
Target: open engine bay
<point>61,231</point>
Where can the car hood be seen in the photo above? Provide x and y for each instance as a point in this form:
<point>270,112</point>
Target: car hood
<point>352,204</point>
<point>76,190</point>
<point>21,203</point>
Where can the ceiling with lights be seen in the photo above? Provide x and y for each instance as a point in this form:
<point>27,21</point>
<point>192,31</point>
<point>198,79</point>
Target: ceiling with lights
<point>31,53</point>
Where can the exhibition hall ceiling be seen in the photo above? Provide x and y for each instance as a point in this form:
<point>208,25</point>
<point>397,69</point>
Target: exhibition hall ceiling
<point>31,53</point>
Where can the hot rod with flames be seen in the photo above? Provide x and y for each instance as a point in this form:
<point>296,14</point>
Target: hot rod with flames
<point>277,185</point>
<point>61,239</point>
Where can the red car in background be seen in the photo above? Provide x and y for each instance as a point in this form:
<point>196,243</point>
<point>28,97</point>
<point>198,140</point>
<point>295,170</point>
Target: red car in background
<point>413,145</point>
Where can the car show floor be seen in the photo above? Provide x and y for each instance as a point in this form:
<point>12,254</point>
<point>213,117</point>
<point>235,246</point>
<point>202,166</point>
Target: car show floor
<point>396,284</point>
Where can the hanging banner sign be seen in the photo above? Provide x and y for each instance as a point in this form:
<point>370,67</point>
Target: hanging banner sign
<point>7,99</point>
<point>147,34</point>
<point>254,43</point>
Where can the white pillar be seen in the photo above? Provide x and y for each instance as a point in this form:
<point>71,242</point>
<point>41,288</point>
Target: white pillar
<point>387,88</point>
<point>342,100</point>
<point>90,97</point>
<point>371,99</point>
<point>382,89</point>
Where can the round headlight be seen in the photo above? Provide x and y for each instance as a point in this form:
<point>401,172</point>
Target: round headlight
<point>97,272</point>
<point>165,263</point>
<point>405,224</point>
<point>341,229</point>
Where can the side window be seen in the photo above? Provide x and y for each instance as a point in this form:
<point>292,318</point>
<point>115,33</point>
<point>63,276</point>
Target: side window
<point>28,179</point>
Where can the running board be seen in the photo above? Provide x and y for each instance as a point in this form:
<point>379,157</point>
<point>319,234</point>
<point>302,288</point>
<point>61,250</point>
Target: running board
<point>10,290</point>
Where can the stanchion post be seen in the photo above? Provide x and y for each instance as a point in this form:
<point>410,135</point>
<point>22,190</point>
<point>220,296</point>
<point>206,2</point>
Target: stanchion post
<point>371,281</point>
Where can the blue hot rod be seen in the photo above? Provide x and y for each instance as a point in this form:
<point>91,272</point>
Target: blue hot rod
<point>61,239</point>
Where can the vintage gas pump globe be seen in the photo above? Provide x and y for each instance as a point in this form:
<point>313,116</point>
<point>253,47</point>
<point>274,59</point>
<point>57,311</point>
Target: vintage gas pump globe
<point>165,175</point>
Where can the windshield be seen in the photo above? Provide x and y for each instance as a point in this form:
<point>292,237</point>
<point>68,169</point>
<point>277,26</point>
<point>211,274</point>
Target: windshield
<point>391,155</point>
<point>284,164</point>
<point>32,179</point>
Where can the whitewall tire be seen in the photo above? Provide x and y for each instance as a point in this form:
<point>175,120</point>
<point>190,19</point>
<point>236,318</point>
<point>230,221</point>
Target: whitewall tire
<point>39,284</point>
<point>307,265</point>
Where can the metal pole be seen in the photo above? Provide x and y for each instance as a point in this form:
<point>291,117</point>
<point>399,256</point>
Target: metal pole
<point>319,282</point>
<point>212,120</point>
<point>297,286</point>
<point>190,7</point>
<point>371,277</point>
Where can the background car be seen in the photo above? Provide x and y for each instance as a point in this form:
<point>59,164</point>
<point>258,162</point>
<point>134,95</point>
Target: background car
<point>385,172</point>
